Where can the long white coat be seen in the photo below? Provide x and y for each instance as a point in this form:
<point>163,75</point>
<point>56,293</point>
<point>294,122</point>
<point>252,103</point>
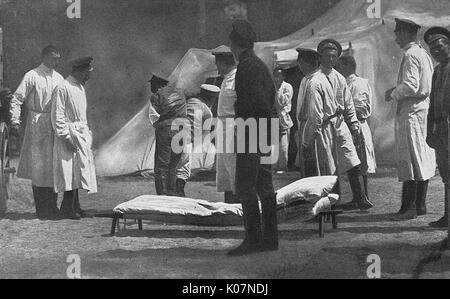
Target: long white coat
<point>35,92</point>
<point>415,159</point>
<point>72,170</point>
<point>362,99</point>
<point>226,158</point>
<point>327,94</point>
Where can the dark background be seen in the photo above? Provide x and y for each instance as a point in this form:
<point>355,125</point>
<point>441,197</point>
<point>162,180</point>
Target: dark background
<point>130,39</point>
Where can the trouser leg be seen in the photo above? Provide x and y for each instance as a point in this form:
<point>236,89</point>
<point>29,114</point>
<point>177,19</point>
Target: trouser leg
<point>69,204</point>
<point>40,196</point>
<point>246,183</point>
<point>409,195</point>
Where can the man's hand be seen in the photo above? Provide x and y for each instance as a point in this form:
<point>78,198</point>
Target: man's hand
<point>70,145</point>
<point>356,134</point>
<point>388,95</point>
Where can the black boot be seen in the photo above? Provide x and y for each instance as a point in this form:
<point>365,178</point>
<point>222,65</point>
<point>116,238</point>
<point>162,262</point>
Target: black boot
<point>231,198</point>
<point>252,225</point>
<point>269,224</point>
<point>52,205</point>
<point>366,185</point>
<point>421,196</point>
<point>409,195</point>
<point>405,195</point>
<point>443,222</point>
<point>357,185</point>
<point>180,184</point>
<point>39,203</point>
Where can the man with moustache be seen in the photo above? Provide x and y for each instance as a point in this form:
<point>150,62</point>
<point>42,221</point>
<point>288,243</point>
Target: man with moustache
<point>36,157</point>
<point>438,39</point>
<point>416,161</point>
<point>332,125</point>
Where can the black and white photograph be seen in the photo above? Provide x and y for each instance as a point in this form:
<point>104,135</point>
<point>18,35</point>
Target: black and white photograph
<point>224,144</point>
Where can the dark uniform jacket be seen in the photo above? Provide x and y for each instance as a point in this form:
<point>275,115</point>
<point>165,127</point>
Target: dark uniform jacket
<point>439,102</point>
<point>255,89</point>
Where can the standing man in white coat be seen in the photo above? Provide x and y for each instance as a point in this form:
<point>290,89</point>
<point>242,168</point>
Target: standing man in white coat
<point>73,158</point>
<point>226,158</point>
<point>362,99</point>
<point>332,127</point>
<point>36,157</point>
<point>416,161</point>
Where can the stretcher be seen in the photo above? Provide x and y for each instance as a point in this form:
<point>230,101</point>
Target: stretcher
<point>300,197</point>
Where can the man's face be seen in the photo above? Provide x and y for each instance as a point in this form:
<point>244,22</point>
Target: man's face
<point>342,69</point>
<point>221,67</point>
<point>402,38</point>
<point>329,58</point>
<point>235,50</point>
<point>51,60</point>
<point>440,50</point>
<point>85,75</point>
<point>304,66</point>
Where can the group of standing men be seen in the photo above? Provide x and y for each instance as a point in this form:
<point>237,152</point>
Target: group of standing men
<point>56,154</point>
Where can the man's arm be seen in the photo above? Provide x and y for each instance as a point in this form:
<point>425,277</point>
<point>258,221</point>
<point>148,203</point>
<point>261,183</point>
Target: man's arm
<point>410,81</point>
<point>349,110</point>
<point>363,104</point>
<point>58,116</point>
<point>19,98</point>
<point>314,98</point>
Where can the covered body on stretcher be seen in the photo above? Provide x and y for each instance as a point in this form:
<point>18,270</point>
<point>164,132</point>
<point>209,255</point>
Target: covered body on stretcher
<point>309,194</point>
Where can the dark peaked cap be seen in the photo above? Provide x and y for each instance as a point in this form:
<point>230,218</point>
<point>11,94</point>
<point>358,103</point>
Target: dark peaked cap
<point>84,63</point>
<point>243,33</point>
<point>406,25</point>
<point>307,53</point>
<point>330,44</point>
<point>157,80</point>
<point>435,33</point>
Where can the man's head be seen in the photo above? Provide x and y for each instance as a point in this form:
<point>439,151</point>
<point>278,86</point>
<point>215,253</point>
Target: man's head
<point>50,57</point>
<point>405,32</point>
<point>330,50</point>
<point>82,69</point>
<point>346,65</point>
<point>157,82</point>
<point>438,39</point>
<point>225,61</point>
<point>278,76</point>
<point>242,37</point>
<point>308,60</point>
<point>209,94</point>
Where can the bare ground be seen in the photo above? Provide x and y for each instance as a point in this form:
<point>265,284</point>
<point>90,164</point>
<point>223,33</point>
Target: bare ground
<point>31,248</point>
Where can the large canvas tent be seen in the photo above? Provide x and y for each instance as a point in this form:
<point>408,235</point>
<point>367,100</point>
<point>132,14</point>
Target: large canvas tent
<point>370,39</point>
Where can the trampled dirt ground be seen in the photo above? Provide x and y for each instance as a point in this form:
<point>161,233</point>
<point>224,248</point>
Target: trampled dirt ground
<point>30,248</point>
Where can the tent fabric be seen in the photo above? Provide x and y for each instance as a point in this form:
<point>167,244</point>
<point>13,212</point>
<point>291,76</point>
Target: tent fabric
<point>373,46</point>
<point>201,212</point>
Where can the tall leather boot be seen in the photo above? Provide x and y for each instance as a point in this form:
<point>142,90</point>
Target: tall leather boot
<point>52,205</point>
<point>252,225</point>
<point>366,185</point>
<point>405,195</point>
<point>357,185</point>
<point>443,222</point>
<point>421,196</point>
<point>180,184</point>
<point>269,223</point>
<point>409,196</point>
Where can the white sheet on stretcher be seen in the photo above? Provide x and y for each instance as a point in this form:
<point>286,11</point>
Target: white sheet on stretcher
<point>309,190</point>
